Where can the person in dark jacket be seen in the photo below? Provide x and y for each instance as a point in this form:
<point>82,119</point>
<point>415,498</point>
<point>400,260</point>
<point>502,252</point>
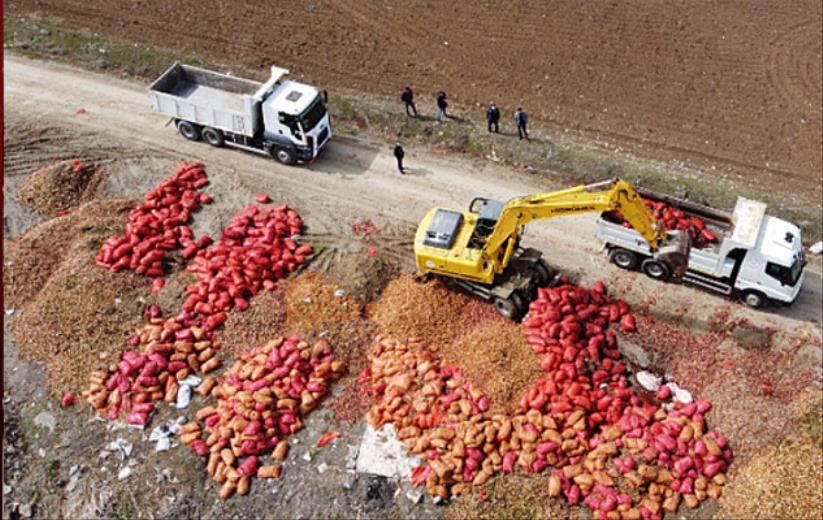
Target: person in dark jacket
<point>399,154</point>
<point>441,105</point>
<point>407,96</point>
<point>493,116</point>
<point>521,119</point>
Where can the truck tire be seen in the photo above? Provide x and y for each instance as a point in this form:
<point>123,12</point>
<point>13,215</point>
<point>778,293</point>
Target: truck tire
<point>623,258</point>
<point>655,269</point>
<point>284,155</point>
<point>753,299</point>
<point>188,130</point>
<point>511,307</point>
<point>213,136</point>
<point>543,273</point>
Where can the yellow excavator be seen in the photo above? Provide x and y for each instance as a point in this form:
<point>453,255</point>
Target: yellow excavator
<point>479,249</point>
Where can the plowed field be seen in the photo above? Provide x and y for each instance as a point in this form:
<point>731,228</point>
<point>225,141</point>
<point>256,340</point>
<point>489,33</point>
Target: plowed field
<point>735,88</point>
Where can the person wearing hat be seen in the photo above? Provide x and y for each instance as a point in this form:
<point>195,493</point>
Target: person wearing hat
<point>493,116</point>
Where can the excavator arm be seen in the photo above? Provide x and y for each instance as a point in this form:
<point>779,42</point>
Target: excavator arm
<point>480,245</point>
<point>618,195</point>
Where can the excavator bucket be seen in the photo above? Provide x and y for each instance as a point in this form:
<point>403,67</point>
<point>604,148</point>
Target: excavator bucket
<point>674,253</point>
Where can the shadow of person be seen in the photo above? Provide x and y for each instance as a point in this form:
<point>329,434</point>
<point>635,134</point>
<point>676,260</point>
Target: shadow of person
<point>422,172</point>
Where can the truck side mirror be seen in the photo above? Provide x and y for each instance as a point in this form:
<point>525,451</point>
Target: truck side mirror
<point>325,96</point>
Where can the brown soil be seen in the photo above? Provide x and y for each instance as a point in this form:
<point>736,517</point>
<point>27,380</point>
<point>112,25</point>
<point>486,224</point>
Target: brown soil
<point>734,89</point>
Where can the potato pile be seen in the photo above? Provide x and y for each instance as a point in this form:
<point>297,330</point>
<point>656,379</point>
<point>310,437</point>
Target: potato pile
<point>256,249</point>
<point>158,225</point>
<point>171,351</point>
<point>622,457</point>
<point>262,399</point>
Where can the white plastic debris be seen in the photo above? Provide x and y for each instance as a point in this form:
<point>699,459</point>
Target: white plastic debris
<point>322,468</point>
<point>183,396</point>
<point>649,381</point>
<point>680,394</point>
<point>120,446</point>
<point>190,380</point>
<point>307,300</point>
<point>163,445</point>
<point>816,248</point>
<point>161,432</point>
<point>339,293</point>
<point>124,473</point>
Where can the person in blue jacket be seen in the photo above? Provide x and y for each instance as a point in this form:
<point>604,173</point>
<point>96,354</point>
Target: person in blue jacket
<point>521,119</point>
<point>493,116</point>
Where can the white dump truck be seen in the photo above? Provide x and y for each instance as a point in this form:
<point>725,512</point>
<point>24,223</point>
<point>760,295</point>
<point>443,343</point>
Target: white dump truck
<point>756,257</point>
<point>281,118</point>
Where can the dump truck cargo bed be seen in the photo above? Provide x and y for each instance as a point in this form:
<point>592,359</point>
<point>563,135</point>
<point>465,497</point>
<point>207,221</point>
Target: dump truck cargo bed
<point>207,98</point>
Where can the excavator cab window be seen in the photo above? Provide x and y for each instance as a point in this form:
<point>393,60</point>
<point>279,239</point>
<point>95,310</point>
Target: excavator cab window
<point>487,216</point>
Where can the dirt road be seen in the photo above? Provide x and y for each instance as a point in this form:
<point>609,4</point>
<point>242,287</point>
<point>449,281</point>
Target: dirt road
<point>354,180</point>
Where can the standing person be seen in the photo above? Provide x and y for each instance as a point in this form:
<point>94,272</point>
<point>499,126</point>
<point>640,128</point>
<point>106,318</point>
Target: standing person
<point>399,154</point>
<point>407,96</point>
<point>441,105</point>
<point>493,116</point>
<point>521,119</point>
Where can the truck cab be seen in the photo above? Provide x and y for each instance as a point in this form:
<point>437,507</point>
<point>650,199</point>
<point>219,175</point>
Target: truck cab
<point>295,116</point>
<point>773,267</point>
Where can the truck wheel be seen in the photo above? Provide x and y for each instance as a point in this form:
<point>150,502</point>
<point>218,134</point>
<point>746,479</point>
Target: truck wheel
<point>543,273</point>
<point>753,299</point>
<point>213,136</point>
<point>511,307</point>
<point>656,270</point>
<point>285,155</point>
<point>188,130</point>
<point>623,258</point>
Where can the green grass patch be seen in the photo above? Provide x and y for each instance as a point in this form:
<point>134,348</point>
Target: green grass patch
<point>41,39</point>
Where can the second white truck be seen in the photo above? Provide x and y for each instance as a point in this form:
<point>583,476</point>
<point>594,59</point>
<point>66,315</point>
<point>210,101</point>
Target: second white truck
<point>757,257</point>
<point>281,118</point>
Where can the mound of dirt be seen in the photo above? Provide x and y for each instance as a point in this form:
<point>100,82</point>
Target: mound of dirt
<point>30,259</point>
<point>363,275</point>
<point>60,186</point>
<point>495,355</point>
<point>71,311</point>
<point>409,309</point>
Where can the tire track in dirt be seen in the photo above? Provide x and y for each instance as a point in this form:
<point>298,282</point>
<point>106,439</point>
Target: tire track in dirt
<point>794,65</point>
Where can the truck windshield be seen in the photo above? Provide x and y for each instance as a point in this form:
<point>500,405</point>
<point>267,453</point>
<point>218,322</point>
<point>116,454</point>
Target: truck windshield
<point>786,275</point>
<point>314,114</point>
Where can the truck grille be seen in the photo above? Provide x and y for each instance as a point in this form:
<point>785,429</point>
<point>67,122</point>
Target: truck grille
<point>322,137</point>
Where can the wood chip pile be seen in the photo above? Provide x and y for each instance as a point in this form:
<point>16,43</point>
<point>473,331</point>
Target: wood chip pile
<point>261,400</point>
<point>53,190</point>
<point>619,456</point>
